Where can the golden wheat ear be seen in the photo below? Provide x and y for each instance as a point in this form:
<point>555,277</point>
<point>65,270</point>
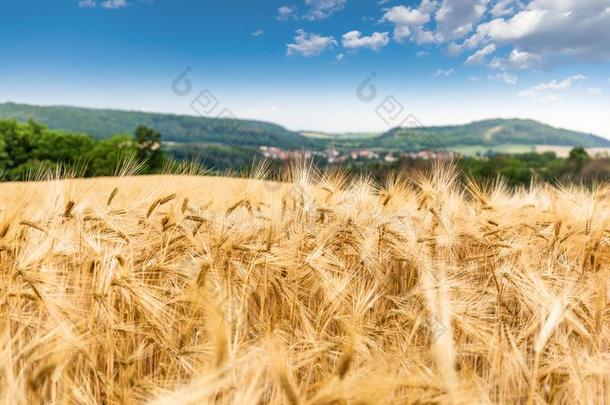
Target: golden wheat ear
<point>328,289</point>
<point>301,171</point>
<point>128,165</point>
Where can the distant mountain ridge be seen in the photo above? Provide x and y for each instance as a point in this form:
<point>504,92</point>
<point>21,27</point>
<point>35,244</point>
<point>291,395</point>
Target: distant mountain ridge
<point>491,132</point>
<point>102,123</point>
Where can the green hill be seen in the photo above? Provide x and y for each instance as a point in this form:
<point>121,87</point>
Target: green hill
<point>186,129</point>
<point>486,133</point>
<point>175,128</point>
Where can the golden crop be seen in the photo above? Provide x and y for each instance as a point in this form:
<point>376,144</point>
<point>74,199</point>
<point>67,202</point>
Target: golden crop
<point>189,290</point>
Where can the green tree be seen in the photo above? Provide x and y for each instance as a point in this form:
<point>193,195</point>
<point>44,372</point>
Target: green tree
<point>577,160</point>
<point>17,143</point>
<point>149,145</point>
<point>106,157</point>
<point>62,147</point>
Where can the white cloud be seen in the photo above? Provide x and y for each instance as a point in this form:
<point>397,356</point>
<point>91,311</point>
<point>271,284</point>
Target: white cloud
<point>316,10</point>
<point>321,9</point>
<point>547,89</point>
<point>402,32</point>
<point>535,32</point>
<point>114,4</point>
<point>505,77</point>
<point>442,73</point>
<point>452,19</point>
<point>594,91</point>
<point>309,44</point>
<point>552,29</point>
<point>110,4</point>
<point>87,3</point>
<point>376,41</point>
<point>517,60</point>
<point>401,15</point>
<point>456,18</point>
<point>471,43</point>
<point>340,57</point>
<point>285,13</point>
<point>258,33</point>
<point>407,19</point>
<point>479,56</point>
<point>505,7</point>
<point>428,6</point>
<point>422,37</point>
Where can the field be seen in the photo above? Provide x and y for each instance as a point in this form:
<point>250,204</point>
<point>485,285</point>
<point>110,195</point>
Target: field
<point>560,151</point>
<point>473,150</point>
<point>564,151</point>
<point>191,289</point>
<point>341,136</point>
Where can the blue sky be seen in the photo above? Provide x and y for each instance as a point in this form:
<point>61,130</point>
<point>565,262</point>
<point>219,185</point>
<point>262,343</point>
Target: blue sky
<point>300,63</point>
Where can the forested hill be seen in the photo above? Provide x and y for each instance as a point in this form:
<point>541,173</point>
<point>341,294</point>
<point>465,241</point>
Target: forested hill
<point>485,133</point>
<point>234,132</point>
<point>102,123</point>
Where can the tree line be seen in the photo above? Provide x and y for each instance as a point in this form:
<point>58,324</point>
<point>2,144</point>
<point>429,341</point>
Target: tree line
<point>513,169</point>
<point>27,149</point>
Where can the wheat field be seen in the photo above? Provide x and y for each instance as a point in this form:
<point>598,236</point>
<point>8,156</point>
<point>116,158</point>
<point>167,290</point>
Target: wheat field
<point>319,290</point>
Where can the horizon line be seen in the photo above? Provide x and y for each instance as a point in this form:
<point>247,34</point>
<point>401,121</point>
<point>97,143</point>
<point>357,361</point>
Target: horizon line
<point>298,131</point>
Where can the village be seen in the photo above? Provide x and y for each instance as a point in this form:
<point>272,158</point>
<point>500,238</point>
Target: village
<point>336,156</point>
